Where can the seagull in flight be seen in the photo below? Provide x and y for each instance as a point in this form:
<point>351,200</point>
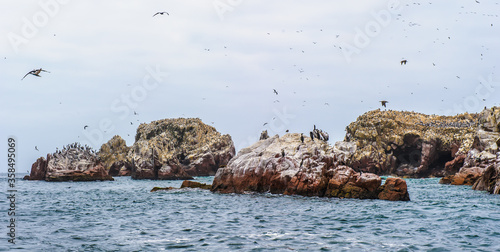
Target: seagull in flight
<point>161,13</point>
<point>35,72</point>
<point>276,92</point>
<point>85,127</point>
<point>384,103</point>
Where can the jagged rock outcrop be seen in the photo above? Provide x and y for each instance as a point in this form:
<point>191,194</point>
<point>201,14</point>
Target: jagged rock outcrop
<point>410,144</point>
<point>490,180</point>
<point>38,170</point>
<point>481,163</point>
<point>287,165</point>
<point>466,176</point>
<point>113,155</point>
<point>73,163</point>
<point>178,149</point>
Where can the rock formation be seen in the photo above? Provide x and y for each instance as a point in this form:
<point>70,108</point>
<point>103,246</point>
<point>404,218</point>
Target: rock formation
<point>73,163</point>
<point>185,184</point>
<point>113,155</point>
<point>410,144</point>
<point>481,165</point>
<point>311,168</point>
<point>178,149</point>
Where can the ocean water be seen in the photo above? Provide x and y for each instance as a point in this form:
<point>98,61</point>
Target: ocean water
<point>123,215</point>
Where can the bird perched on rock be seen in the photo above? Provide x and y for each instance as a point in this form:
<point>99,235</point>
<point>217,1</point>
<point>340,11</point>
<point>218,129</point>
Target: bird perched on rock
<point>302,137</point>
<point>35,72</point>
<point>384,103</point>
<point>161,13</point>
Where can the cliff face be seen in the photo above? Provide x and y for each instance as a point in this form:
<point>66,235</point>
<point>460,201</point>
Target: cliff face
<point>408,143</point>
<point>481,165</point>
<point>178,149</point>
<point>72,163</point>
<point>289,165</point>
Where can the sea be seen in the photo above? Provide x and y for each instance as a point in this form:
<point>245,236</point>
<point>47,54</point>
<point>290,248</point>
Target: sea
<point>123,215</point>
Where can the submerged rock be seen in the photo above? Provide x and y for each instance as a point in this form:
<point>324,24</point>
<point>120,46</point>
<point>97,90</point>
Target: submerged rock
<point>178,149</point>
<point>73,163</point>
<point>289,166</point>
<point>185,184</point>
<point>194,184</point>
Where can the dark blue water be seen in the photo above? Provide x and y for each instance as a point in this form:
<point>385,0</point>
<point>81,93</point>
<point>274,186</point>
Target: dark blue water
<point>123,215</point>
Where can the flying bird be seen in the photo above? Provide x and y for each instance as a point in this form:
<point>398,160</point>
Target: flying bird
<point>384,103</point>
<point>276,92</point>
<point>161,13</point>
<point>85,127</point>
<point>36,148</point>
<point>403,62</point>
<point>35,72</point>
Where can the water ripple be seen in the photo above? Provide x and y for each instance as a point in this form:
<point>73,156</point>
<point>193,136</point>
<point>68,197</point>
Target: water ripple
<point>124,215</point>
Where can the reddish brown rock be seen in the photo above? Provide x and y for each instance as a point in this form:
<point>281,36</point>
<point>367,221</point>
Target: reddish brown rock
<point>453,166</point>
<point>394,189</point>
<point>289,166</point>
<point>490,180</point>
<point>466,176</point>
<point>38,170</point>
<point>346,183</point>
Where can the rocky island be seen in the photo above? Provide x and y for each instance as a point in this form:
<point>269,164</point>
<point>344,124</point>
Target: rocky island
<point>292,164</point>
<point>169,149</point>
<point>73,163</point>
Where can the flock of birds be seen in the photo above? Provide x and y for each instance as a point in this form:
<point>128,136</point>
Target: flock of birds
<point>314,134</point>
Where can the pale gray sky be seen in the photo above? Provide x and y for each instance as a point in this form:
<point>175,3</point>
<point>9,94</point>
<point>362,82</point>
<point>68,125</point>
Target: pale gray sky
<point>220,60</point>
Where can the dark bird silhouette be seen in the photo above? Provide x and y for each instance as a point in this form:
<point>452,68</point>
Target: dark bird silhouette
<point>35,72</point>
<point>161,13</point>
<point>312,135</point>
<point>36,148</point>
<point>403,62</point>
<point>276,92</point>
<point>283,152</point>
<point>302,137</point>
<point>384,103</point>
<point>85,127</point>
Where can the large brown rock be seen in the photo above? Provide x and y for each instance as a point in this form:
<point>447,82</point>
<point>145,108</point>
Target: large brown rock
<point>177,148</point>
<point>72,163</point>
<point>394,189</point>
<point>490,180</point>
<point>287,165</point>
<point>38,170</point>
<point>113,155</point>
<point>408,143</point>
<point>466,176</point>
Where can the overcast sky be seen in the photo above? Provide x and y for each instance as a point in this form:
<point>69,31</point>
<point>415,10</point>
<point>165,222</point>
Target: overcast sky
<point>113,66</point>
